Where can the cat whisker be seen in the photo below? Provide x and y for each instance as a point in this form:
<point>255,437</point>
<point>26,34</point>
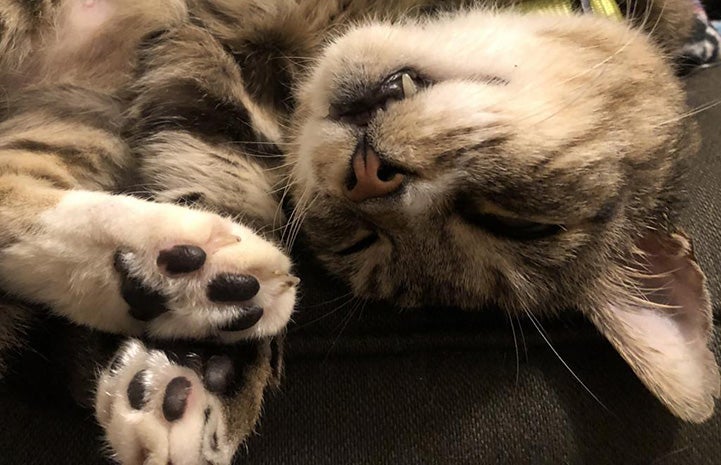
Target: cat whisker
<point>326,302</point>
<point>296,218</point>
<point>540,330</point>
<point>279,208</point>
<point>349,299</point>
<point>658,17</point>
<point>300,219</point>
<point>523,337</point>
<point>693,112</point>
<point>515,346</point>
<point>345,322</point>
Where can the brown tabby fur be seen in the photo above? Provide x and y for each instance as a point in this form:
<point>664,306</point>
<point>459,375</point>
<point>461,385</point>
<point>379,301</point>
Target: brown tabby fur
<point>211,103</point>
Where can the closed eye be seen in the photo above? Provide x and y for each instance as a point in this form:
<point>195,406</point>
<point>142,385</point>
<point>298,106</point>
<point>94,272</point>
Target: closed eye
<point>514,228</point>
<point>501,225</point>
<point>507,227</point>
<point>360,245</point>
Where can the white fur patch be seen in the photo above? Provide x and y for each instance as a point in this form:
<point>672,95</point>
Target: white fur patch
<point>68,265</point>
<point>145,437</point>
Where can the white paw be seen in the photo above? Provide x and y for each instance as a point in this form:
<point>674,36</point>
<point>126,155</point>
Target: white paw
<point>156,412</point>
<point>129,266</point>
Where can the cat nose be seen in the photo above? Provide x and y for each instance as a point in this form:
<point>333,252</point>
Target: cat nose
<point>360,111</point>
<point>370,177</point>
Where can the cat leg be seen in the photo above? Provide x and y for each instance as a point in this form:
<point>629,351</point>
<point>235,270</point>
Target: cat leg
<point>118,263</point>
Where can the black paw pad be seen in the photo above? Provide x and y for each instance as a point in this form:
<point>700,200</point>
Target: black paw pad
<point>176,398</point>
<point>182,259</point>
<point>219,374</point>
<point>233,288</point>
<point>145,303</point>
<point>245,320</point>
<point>136,391</point>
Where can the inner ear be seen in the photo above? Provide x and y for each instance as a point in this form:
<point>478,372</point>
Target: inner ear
<point>659,318</point>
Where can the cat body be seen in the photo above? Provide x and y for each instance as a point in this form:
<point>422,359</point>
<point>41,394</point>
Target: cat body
<point>469,158</point>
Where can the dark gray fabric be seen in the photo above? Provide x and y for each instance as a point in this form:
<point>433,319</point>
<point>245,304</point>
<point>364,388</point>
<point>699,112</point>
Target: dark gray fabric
<point>713,8</point>
<point>367,384</point>
<point>703,215</point>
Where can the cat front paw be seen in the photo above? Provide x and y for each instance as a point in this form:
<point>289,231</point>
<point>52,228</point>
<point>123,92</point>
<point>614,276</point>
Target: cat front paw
<point>227,283</point>
<point>156,411</point>
<point>129,266</point>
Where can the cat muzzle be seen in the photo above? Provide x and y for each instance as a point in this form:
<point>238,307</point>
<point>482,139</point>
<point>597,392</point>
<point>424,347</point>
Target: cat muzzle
<point>370,177</point>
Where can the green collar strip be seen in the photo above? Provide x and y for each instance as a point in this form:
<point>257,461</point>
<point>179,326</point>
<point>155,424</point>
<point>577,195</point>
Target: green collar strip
<point>606,8</point>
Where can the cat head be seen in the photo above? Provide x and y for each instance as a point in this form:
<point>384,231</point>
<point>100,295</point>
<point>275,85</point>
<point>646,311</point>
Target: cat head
<point>532,163</point>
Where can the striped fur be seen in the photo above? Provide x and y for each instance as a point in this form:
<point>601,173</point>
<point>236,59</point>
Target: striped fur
<point>128,127</point>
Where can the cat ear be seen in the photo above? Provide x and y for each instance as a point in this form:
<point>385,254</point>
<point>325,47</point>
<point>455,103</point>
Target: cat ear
<point>660,321</point>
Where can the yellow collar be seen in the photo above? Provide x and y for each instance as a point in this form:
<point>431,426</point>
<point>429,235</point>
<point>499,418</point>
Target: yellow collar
<point>607,8</point>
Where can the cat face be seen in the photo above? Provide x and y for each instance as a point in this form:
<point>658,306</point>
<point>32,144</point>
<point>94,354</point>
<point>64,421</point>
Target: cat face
<point>484,158</point>
<point>529,162</point>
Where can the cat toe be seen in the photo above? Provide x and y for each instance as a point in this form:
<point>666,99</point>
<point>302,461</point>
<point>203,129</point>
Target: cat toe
<point>175,399</point>
<point>181,259</point>
<point>246,319</point>
<point>145,302</point>
<point>219,375</point>
<point>233,288</point>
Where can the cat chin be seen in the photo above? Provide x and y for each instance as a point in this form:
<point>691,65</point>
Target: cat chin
<point>89,15</point>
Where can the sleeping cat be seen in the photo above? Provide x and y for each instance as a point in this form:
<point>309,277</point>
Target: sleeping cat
<point>467,158</point>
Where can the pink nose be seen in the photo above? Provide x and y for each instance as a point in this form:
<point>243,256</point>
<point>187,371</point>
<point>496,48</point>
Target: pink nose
<point>371,178</point>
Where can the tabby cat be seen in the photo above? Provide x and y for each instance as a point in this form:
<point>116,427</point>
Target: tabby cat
<point>468,158</point>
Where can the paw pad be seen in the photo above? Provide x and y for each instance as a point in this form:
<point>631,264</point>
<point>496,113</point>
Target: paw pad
<point>202,281</point>
<point>145,303</point>
<point>136,391</point>
<point>233,288</point>
<point>247,319</point>
<point>219,374</point>
<point>181,259</point>
<point>176,398</point>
